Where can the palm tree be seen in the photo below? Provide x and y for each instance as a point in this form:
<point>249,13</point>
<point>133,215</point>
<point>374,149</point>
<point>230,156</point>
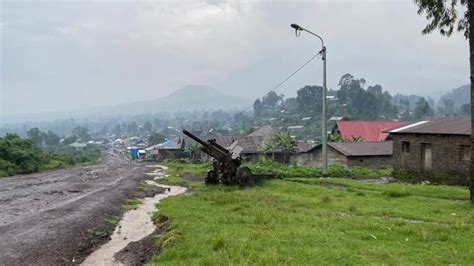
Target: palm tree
<point>286,144</point>
<point>193,150</point>
<point>269,148</point>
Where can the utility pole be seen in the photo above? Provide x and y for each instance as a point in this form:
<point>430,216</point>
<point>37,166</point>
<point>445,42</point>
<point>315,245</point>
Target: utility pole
<point>324,132</point>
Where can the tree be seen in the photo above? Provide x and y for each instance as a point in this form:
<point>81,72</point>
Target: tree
<point>51,138</point>
<point>443,15</point>
<point>82,133</point>
<point>335,137</point>
<point>423,109</point>
<point>269,148</point>
<point>258,107</point>
<point>20,156</point>
<point>310,99</point>
<point>286,144</point>
<point>156,138</point>
<point>193,151</point>
<point>445,106</point>
<point>36,136</point>
<point>71,139</point>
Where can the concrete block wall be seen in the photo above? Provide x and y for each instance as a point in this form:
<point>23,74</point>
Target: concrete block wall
<point>446,152</point>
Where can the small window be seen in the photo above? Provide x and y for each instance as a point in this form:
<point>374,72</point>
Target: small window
<point>406,147</point>
<point>465,152</point>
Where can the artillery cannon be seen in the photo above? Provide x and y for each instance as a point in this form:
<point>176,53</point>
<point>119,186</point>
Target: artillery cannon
<point>226,163</point>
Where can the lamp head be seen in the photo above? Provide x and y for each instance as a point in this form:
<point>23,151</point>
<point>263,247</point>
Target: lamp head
<point>295,26</point>
<point>297,29</point>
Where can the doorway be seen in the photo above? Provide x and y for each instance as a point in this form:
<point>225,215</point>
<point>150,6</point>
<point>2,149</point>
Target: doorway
<point>426,157</point>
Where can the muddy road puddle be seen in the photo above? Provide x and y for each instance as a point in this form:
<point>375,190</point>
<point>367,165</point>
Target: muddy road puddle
<point>135,224</point>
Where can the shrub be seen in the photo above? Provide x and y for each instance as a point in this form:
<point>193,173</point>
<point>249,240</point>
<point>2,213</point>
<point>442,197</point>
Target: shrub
<point>337,170</point>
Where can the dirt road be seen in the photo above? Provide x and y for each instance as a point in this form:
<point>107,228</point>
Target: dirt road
<point>58,217</point>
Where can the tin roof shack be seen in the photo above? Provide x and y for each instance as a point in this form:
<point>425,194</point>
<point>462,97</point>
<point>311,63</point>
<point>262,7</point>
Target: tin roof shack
<point>368,154</point>
<point>435,149</point>
<point>252,146</point>
<point>170,149</point>
<point>78,146</point>
<point>366,131</point>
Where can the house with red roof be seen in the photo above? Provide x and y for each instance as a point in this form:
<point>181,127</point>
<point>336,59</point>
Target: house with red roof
<point>364,130</point>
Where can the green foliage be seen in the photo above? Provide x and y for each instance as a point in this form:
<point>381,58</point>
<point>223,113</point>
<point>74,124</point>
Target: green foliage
<point>82,133</point>
<point>351,100</point>
<point>335,137</point>
<point>266,166</point>
<point>310,100</point>
<point>194,151</point>
<point>402,174</point>
<point>131,204</point>
<point>71,139</point>
<point>363,171</point>
<point>51,138</point>
<point>443,15</point>
<point>286,144</point>
<point>395,194</point>
<point>36,136</point>
<point>22,156</point>
<point>423,109</point>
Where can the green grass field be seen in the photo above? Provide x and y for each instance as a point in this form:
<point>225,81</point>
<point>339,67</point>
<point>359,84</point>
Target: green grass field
<point>316,221</point>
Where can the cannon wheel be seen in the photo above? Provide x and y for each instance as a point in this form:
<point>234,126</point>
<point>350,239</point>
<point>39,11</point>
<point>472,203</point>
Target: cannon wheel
<point>211,177</point>
<point>244,177</point>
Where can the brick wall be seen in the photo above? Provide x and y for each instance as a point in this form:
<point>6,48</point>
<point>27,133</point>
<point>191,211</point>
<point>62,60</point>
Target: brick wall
<point>370,161</point>
<point>315,158</point>
<point>334,157</point>
<point>446,152</point>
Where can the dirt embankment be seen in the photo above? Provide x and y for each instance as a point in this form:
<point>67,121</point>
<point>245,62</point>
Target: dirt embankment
<point>59,217</point>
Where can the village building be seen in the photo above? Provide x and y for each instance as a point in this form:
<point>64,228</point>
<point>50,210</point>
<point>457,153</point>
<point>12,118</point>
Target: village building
<point>170,149</point>
<point>437,149</point>
<point>367,154</point>
<point>364,131</point>
<point>78,146</point>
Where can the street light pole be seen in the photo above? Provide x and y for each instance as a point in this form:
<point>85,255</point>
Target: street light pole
<point>324,107</point>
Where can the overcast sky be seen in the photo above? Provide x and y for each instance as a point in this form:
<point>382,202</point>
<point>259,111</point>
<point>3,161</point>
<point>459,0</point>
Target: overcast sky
<point>63,55</point>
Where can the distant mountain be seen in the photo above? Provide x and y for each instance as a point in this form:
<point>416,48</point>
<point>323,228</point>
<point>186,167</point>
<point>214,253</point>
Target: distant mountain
<point>459,96</point>
<point>188,98</point>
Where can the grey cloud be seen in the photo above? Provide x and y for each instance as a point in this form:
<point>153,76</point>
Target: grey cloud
<point>65,55</point>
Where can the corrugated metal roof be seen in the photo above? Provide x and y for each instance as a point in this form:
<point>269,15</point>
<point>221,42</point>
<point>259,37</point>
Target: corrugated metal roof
<point>439,125</point>
<point>249,144</point>
<point>378,148</point>
<point>265,131</point>
<point>368,130</point>
<point>254,144</point>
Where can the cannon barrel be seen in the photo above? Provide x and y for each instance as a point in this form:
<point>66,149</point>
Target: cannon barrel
<point>209,143</point>
<point>192,136</point>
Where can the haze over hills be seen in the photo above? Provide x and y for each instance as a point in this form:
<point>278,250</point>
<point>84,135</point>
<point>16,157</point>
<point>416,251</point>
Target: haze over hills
<point>459,96</point>
<point>188,98</point>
